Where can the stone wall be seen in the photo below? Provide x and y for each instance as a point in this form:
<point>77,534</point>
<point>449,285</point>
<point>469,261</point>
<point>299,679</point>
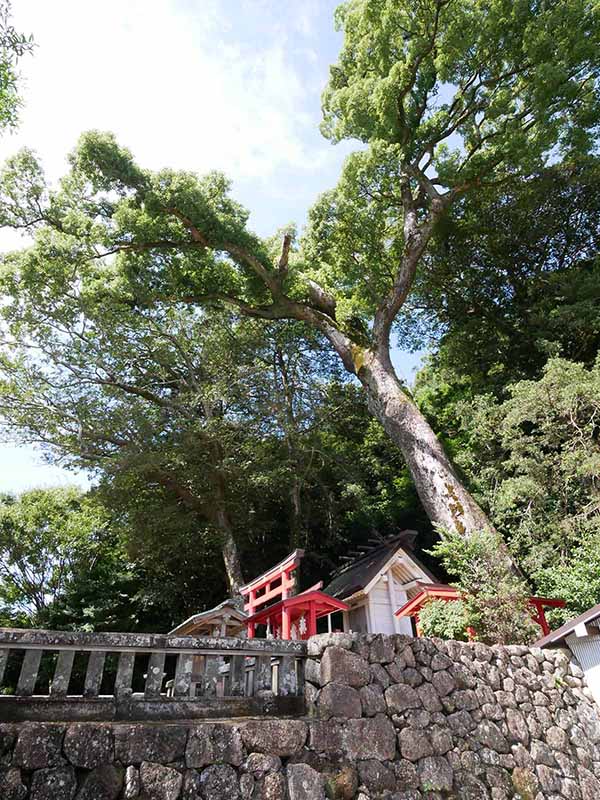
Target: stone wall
<point>424,718</point>
<point>388,717</point>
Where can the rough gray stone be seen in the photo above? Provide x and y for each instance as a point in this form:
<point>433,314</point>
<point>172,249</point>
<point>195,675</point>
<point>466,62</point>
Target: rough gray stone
<point>305,783</point>
<point>247,784</point>
<point>279,737</point>
<point>338,700</point>
<point>159,743</point>
<point>517,726</point>
<point>382,650</point>
<point>541,753</point>
<point>570,789</point>
<point>259,764</point>
<point>435,774</point>
<point>412,677</point>
<point>214,744</point>
<point>525,783</point>
<point>461,723</point>
<point>549,778</point>
<point>219,782</point>
<point>8,736</point>
<point>414,744</point>
<point>53,783</point>
<point>429,697</point>
<point>317,644</point>
<point>406,774</point>
<point>443,683</point>
<point>159,782</point>
<point>271,787</point>
<point>102,783</point>
<point>374,737</point>
<point>191,786</point>
<point>342,666</point>
<point>441,740</point>
<point>466,699</point>
<point>372,700</point>
<point>39,746</point>
<point>87,745</point>
<point>312,671</point>
<point>341,781</point>
<point>557,739</point>
<point>132,783</point>
<point>589,718</point>
<point>326,736</point>
<point>440,661</point>
<point>399,697</point>
<point>489,734</point>
<point>376,777</point>
<point>11,785</point>
<point>588,783</point>
<point>471,788</point>
<point>379,675</point>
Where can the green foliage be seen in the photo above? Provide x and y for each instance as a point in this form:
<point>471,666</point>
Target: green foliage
<point>13,45</point>
<point>448,620</point>
<point>55,544</point>
<point>497,83</point>
<point>495,601</point>
<point>535,461</point>
<point>512,277</point>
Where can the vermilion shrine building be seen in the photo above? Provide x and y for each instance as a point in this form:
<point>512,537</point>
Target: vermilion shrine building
<point>380,589</point>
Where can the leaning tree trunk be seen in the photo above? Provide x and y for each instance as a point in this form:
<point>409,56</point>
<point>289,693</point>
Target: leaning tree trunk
<point>445,499</point>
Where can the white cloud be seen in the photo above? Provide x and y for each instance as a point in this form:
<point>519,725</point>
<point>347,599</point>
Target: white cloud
<point>190,84</point>
<point>170,81</point>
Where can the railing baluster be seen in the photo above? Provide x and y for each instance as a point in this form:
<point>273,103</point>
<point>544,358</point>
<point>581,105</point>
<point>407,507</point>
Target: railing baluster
<point>183,675</point>
<point>236,676</point>
<point>206,668</point>
<point>124,675</point>
<point>94,672</point>
<point>250,669</point>
<point>299,676</point>
<point>62,673</point>
<point>3,660</point>
<point>287,683</point>
<point>29,672</point>
<point>154,679</point>
<point>211,675</point>
<point>263,674</point>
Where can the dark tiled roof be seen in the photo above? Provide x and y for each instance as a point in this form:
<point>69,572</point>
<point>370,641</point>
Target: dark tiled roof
<point>358,574</point>
<point>557,637</point>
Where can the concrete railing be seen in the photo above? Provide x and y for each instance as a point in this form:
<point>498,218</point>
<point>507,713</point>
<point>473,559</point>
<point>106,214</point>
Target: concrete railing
<point>58,675</point>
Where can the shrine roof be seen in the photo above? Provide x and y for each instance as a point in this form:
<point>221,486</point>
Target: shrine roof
<point>358,574</point>
<point>556,638</point>
<point>227,609</point>
<point>324,602</point>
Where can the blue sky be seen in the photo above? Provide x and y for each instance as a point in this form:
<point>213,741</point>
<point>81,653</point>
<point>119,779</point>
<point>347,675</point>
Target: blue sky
<point>233,85</point>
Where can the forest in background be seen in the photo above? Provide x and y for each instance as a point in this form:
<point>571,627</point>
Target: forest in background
<point>210,381</point>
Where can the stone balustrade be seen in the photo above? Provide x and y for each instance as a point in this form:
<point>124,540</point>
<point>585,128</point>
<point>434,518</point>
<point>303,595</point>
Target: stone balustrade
<point>49,675</point>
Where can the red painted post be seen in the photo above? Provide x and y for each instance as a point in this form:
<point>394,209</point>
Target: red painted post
<point>312,619</point>
<point>285,623</point>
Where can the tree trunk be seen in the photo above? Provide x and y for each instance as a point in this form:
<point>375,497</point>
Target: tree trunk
<point>231,555</point>
<point>444,498</point>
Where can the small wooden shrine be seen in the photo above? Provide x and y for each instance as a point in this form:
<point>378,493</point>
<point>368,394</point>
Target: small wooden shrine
<point>441,591</point>
<point>377,578</point>
<point>271,602</point>
<point>226,619</point>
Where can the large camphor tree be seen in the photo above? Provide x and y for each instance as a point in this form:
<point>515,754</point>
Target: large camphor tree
<point>446,96</point>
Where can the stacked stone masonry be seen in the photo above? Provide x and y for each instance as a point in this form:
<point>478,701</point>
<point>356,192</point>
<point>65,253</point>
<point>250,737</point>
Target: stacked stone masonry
<point>387,717</point>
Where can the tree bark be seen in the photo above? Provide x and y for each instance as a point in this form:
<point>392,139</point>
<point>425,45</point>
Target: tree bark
<point>231,554</point>
<point>445,500</point>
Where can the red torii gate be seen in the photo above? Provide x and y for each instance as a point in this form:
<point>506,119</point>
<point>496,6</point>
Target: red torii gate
<point>441,591</point>
<point>289,611</point>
